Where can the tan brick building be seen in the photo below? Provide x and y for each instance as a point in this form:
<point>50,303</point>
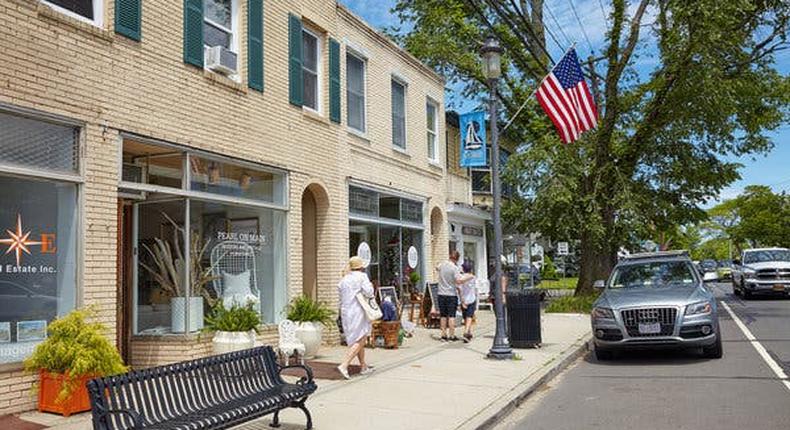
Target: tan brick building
<point>272,137</point>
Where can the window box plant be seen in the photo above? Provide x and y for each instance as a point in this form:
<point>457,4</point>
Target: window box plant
<point>234,329</point>
<point>74,352</point>
<point>310,316</point>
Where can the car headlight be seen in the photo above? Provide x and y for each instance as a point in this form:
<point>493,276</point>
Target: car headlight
<point>602,313</point>
<point>700,308</point>
<point>749,273</point>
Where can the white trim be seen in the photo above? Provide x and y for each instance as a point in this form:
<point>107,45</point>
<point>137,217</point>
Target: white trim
<point>364,61</point>
<point>319,41</point>
<point>98,12</point>
<point>356,50</point>
<point>429,102</point>
<point>385,221</point>
<point>29,172</point>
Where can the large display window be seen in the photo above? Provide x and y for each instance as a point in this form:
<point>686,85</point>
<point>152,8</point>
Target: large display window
<point>389,229</point>
<point>38,230</point>
<point>212,234</point>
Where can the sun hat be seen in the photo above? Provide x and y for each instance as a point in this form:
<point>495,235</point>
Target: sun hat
<point>356,263</point>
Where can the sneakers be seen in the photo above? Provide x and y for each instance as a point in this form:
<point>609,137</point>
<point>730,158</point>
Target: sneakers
<point>444,338</point>
<point>467,337</point>
<point>343,372</point>
<point>454,339</point>
<point>366,371</point>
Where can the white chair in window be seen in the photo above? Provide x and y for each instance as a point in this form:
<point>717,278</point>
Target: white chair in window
<point>483,293</point>
<point>289,345</point>
<point>235,278</point>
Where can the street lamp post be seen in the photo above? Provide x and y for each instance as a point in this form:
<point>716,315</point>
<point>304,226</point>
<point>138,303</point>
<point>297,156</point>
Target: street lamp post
<point>491,53</point>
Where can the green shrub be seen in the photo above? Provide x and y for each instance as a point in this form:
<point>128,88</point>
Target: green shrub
<point>75,348</point>
<point>572,304</point>
<point>549,270</point>
<point>237,318</point>
<point>304,309</point>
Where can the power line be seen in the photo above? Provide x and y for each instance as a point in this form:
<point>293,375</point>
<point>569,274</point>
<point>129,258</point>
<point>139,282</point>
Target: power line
<point>603,12</point>
<point>581,25</point>
<point>557,23</point>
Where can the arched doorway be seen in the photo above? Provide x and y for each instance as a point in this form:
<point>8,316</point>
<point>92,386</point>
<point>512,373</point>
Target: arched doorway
<point>314,207</point>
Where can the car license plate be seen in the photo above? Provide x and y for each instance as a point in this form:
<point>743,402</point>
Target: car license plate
<point>654,328</point>
<point>779,287</point>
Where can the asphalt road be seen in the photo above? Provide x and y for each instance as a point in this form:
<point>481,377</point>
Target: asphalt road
<point>676,390</point>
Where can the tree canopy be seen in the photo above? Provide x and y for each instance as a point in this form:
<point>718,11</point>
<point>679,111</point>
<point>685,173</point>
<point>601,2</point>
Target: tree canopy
<point>664,132</point>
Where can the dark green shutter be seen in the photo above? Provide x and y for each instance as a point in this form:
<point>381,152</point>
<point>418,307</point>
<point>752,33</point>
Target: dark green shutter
<point>255,44</point>
<point>193,32</point>
<point>334,81</point>
<point>295,60</point>
<point>128,15</point>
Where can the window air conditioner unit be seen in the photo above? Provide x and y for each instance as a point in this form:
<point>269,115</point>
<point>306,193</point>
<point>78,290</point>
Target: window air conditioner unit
<point>221,60</point>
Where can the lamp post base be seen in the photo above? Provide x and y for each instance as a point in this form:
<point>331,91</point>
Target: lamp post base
<point>500,353</point>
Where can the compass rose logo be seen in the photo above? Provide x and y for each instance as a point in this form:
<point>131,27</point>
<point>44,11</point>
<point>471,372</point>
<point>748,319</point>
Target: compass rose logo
<point>19,241</point>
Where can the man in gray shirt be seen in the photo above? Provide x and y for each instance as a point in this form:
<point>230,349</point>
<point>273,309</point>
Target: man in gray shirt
<point>450,281</point>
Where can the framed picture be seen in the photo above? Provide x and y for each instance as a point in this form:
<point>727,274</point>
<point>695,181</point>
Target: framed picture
<point>247,230</point>
<point>31,330</point>
<point>388,292</point>
<point>5,332</point>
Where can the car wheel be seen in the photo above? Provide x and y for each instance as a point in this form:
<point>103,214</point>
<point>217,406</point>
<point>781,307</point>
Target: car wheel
<point>735,289</point>
<point>715,350</point>
<point>603,355</point>
<point>746,294</point>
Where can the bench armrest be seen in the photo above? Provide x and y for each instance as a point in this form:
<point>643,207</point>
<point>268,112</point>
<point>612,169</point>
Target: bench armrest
<point>136,418</point>
<point>307,379</point>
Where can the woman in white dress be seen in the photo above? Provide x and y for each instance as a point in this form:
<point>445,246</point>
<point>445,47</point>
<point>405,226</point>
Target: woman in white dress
<point>356,326</point>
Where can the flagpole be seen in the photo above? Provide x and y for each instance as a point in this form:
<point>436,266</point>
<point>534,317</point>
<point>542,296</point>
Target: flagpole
<point>513,118</point>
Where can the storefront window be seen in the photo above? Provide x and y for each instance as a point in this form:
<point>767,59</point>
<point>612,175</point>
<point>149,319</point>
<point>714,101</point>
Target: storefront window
<point>210,242</point>
<point>39,145</point>
<point>38,261</point>
<point>394,238</point>
<point>153,165</point>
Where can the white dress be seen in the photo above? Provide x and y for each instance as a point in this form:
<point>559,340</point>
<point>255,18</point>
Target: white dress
<point>355,323</point>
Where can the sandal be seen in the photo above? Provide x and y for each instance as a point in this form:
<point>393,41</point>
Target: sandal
<point>343,372</point>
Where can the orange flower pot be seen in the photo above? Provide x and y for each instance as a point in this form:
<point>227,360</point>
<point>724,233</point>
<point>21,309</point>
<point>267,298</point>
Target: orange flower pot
<point>49,388</point>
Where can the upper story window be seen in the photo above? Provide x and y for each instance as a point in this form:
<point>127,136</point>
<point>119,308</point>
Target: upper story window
<point>398,114</point>
<point>219,29</point>
<point>431,118</point>
<point>85,10</point>
<point>311,65</point>
<point>355,92</point>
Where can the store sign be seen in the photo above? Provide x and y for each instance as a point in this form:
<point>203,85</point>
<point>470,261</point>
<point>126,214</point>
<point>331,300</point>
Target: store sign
<point>562,248</point>
<point>21,242</point>
<point>473,138</point>
<point>472,231</point>
<point>414,257</point>
<point>363,252</point>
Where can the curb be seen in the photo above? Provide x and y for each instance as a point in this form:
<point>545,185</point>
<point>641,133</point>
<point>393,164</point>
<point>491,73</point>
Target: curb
<point>495,412</point>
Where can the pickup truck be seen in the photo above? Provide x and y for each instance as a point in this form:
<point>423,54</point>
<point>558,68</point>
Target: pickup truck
<point>762,271</point>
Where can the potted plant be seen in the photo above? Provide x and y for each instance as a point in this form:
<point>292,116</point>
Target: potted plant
<point>234,328</point>
<point>310,316</point>
<point>74,352</point>
<point>169,272</point>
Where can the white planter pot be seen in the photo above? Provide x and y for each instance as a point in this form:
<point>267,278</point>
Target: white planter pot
<point>178,314</point>
<point>229,341</point>
<point>310,334</point>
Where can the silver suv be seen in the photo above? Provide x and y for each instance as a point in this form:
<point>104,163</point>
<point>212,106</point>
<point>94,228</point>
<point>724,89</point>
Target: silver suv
<point>655,300</point>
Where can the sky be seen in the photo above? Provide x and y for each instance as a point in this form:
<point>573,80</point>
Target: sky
<point>584,22</point>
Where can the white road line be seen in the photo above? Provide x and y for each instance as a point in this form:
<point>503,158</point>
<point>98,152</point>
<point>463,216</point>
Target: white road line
<point>780,373</point>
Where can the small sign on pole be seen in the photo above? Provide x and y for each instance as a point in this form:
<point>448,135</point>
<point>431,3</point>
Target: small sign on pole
<point>473,139</point>
<point>562,248</point>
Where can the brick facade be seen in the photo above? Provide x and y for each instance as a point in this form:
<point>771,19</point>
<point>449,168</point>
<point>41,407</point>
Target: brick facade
<point>57,64</point>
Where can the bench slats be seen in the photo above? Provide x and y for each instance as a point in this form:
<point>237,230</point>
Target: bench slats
<point>208,393</point>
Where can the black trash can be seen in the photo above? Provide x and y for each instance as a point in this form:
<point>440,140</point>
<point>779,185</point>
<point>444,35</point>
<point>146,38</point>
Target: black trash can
<point>523,318</point>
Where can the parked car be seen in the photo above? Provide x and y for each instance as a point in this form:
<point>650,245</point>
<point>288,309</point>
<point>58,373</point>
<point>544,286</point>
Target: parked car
<point>709,270</point>
<point>655,300</point>
<point>524,271</point>
<point>762,271</point>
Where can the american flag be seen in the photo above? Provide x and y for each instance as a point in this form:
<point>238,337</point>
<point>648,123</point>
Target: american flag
<point>566,99</point>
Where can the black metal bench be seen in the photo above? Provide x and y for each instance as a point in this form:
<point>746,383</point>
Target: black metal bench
<point>209,393</point>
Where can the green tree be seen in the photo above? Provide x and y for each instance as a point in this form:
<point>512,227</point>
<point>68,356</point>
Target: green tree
<point>757,217</point>
<point>657,153</point>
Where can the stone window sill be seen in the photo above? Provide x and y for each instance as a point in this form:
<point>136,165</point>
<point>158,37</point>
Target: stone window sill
<point>225,81</point>
<point>315,116</point>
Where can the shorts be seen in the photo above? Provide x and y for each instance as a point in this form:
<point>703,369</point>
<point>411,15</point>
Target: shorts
<point>447,306</point>
<point>469,312</point>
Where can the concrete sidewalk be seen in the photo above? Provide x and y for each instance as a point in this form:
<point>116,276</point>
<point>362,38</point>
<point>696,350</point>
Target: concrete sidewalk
<point>426,384</point>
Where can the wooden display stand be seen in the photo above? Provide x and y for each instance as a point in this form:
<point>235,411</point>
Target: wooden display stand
<point>428,319</point>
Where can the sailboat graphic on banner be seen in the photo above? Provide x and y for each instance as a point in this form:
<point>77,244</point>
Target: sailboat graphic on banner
<point>472,127</point>
<point>472,140</point>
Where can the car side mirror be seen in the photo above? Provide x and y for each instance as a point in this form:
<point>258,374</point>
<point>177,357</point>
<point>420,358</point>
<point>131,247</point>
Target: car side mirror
<point>599,284</point>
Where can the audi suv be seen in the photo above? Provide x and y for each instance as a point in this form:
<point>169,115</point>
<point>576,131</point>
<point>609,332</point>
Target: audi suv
<point>655,300</point>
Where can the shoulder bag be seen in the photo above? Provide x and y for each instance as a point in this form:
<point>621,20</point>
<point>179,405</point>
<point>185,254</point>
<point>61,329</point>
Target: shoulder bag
<point>369,305</point>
